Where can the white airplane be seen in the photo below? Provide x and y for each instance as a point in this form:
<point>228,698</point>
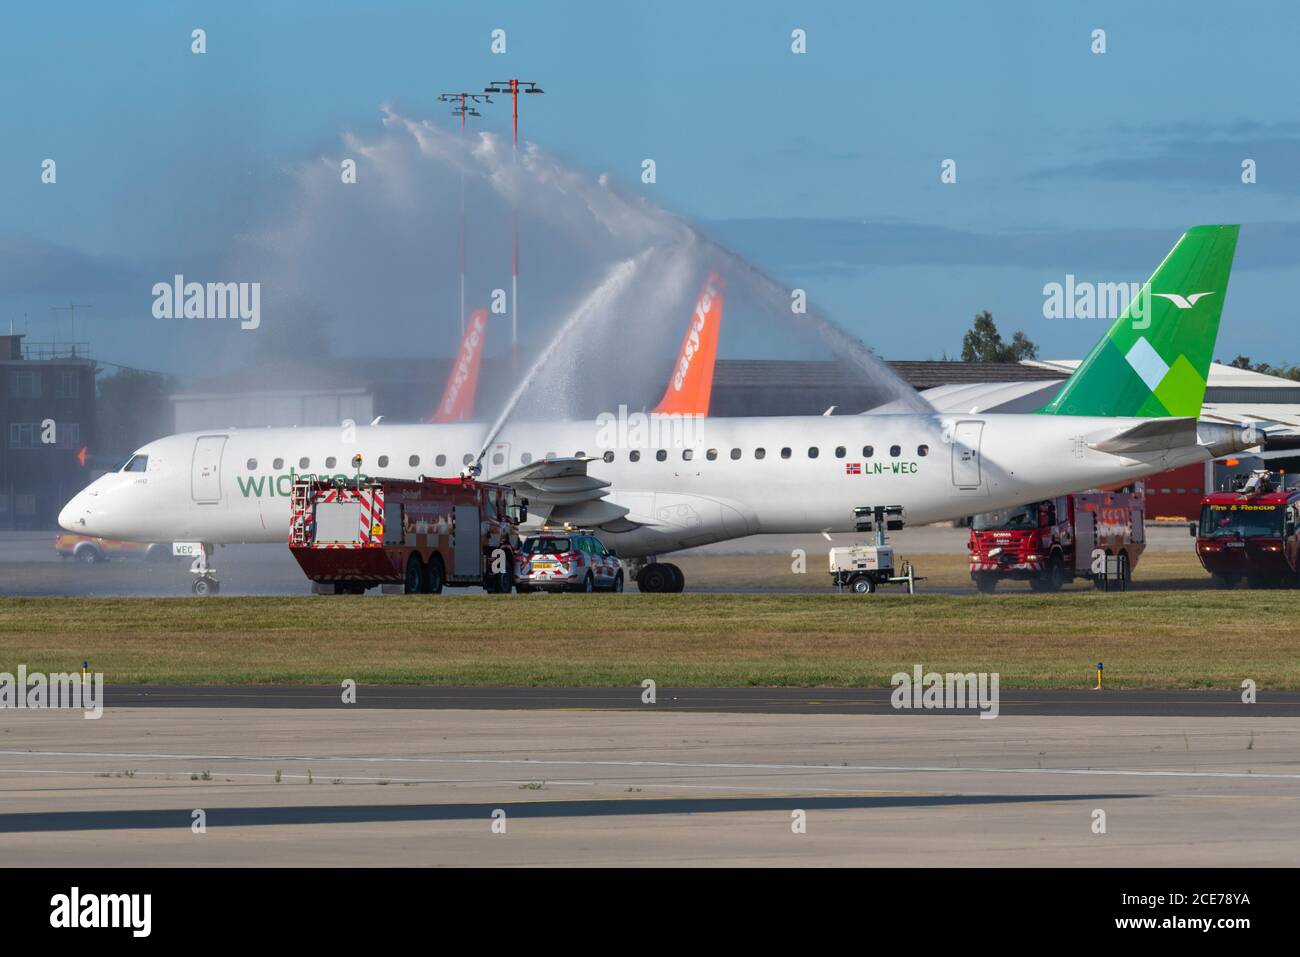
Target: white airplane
<point>654,484</point>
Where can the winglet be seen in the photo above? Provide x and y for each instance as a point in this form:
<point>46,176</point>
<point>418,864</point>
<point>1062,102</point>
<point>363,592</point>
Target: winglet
<point>457,403</point>
<point>691,382</point>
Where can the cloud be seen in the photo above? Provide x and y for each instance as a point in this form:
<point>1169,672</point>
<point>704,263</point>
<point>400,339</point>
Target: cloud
<point>1191,153</point>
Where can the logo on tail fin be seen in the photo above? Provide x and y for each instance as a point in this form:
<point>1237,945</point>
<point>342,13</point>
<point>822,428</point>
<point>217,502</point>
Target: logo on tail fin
<point>1179,301</point>
<point>691,383</point>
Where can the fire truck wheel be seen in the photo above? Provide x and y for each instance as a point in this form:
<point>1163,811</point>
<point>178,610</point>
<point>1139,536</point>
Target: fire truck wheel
<point>618,583</point>
<point>433,575</point>
<point>862,585</point>
<point>679,580</point>
<point>655,577</point>
<point>415,577</point>
<point>985,583</point>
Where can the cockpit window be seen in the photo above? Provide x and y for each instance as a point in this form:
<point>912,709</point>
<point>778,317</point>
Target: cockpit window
<point>137,463</point>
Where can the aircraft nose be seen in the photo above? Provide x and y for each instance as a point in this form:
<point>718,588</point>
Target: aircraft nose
<point>73,516</point>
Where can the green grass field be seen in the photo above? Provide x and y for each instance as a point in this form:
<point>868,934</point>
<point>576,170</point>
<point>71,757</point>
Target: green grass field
<point>1153,638</point>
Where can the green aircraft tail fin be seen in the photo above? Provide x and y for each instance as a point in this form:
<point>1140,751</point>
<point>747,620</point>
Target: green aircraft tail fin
<point>1155,359</point>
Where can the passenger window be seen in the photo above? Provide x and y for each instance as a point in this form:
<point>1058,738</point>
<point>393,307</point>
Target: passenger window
<point>661,455</point>
<point>383,461</point>
<point>278,464</point>
<point>413,461</point>
<point>525,458</point>
<point>923,450</point>
<point>735,454</point>
<point>813,452</point>
<point>498,458</point>
<point>785,452</point>
<point>331,462</point>
<point>711,455</point>
<point>579,455</point>
<point>868,451</point>
<point>760,453</point>
<point>688,454</point>
<point>304,463</point>
<point>894,451</point>
<point>550,455</point>
<point>840,451</point>
<point>608,456</point>
<point>634,456</point>
<point>251,465</point>
<point>469,457</point>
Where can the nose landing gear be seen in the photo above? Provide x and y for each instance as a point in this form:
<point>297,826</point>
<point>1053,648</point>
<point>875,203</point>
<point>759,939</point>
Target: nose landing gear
<point>205,582</point>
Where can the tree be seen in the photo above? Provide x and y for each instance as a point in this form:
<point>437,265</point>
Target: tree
<point>133,408</point>
<point>1283,371</point>
<point>983,343</point>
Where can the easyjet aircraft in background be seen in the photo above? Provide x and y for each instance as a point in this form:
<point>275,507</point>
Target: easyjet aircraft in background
<point>1130,409</point>
<point>457,402</point>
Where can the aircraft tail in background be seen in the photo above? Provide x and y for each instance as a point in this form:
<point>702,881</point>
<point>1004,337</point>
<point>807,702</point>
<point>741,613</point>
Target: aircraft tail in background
<point>457,403</point>
<point>691,382</point>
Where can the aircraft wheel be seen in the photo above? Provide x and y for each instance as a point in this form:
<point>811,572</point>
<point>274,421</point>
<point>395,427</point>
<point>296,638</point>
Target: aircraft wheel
<point>654,578</point>
<point>203,587</point>
<point>679,580</point>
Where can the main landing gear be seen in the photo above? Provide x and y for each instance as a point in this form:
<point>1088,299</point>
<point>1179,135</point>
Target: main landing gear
<point>660,577</point>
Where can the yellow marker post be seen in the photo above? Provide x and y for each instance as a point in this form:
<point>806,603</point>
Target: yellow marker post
<point>85,671</point>
<point>1099,668</point>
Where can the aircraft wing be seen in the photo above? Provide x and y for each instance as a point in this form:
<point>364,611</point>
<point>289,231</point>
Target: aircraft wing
<point>562,489</point>
<point>1154,435</point>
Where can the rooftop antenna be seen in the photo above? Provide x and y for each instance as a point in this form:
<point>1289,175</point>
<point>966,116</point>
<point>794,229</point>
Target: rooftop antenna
<point>71,309</point>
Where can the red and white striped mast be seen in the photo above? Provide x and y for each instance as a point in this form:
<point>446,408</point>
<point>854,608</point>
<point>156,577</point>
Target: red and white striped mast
<point>465,106</point>
<point>514,87</point>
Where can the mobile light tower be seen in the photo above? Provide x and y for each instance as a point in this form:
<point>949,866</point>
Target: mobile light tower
<point>514,88</point>
<point>466,105</point>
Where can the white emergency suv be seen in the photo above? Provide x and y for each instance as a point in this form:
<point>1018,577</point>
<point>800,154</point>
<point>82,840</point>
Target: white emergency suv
<point>559,559</point>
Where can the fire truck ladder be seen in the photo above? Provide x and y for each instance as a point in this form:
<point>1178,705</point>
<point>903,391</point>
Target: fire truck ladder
<point>299,512</point>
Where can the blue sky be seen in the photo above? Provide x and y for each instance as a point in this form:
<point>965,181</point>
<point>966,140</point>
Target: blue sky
<point>823,168</point>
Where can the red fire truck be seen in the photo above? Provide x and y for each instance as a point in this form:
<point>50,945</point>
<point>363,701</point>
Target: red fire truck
<point>1251,533</point>
<point>407,535</point>
<point>1052,542</point>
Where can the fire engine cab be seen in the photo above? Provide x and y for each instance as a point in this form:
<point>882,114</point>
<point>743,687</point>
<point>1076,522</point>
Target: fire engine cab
<point>405,535</point>
<point>1250,533</point>
<point>1097,535</point>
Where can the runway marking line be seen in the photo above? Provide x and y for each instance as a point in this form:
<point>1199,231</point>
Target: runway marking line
<point>707,766</point>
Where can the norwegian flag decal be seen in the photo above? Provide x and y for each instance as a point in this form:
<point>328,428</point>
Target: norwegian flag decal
<point>852,468</point>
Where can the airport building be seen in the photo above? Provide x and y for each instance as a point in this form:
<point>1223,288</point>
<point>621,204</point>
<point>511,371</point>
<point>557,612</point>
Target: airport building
<point>47,415</point>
